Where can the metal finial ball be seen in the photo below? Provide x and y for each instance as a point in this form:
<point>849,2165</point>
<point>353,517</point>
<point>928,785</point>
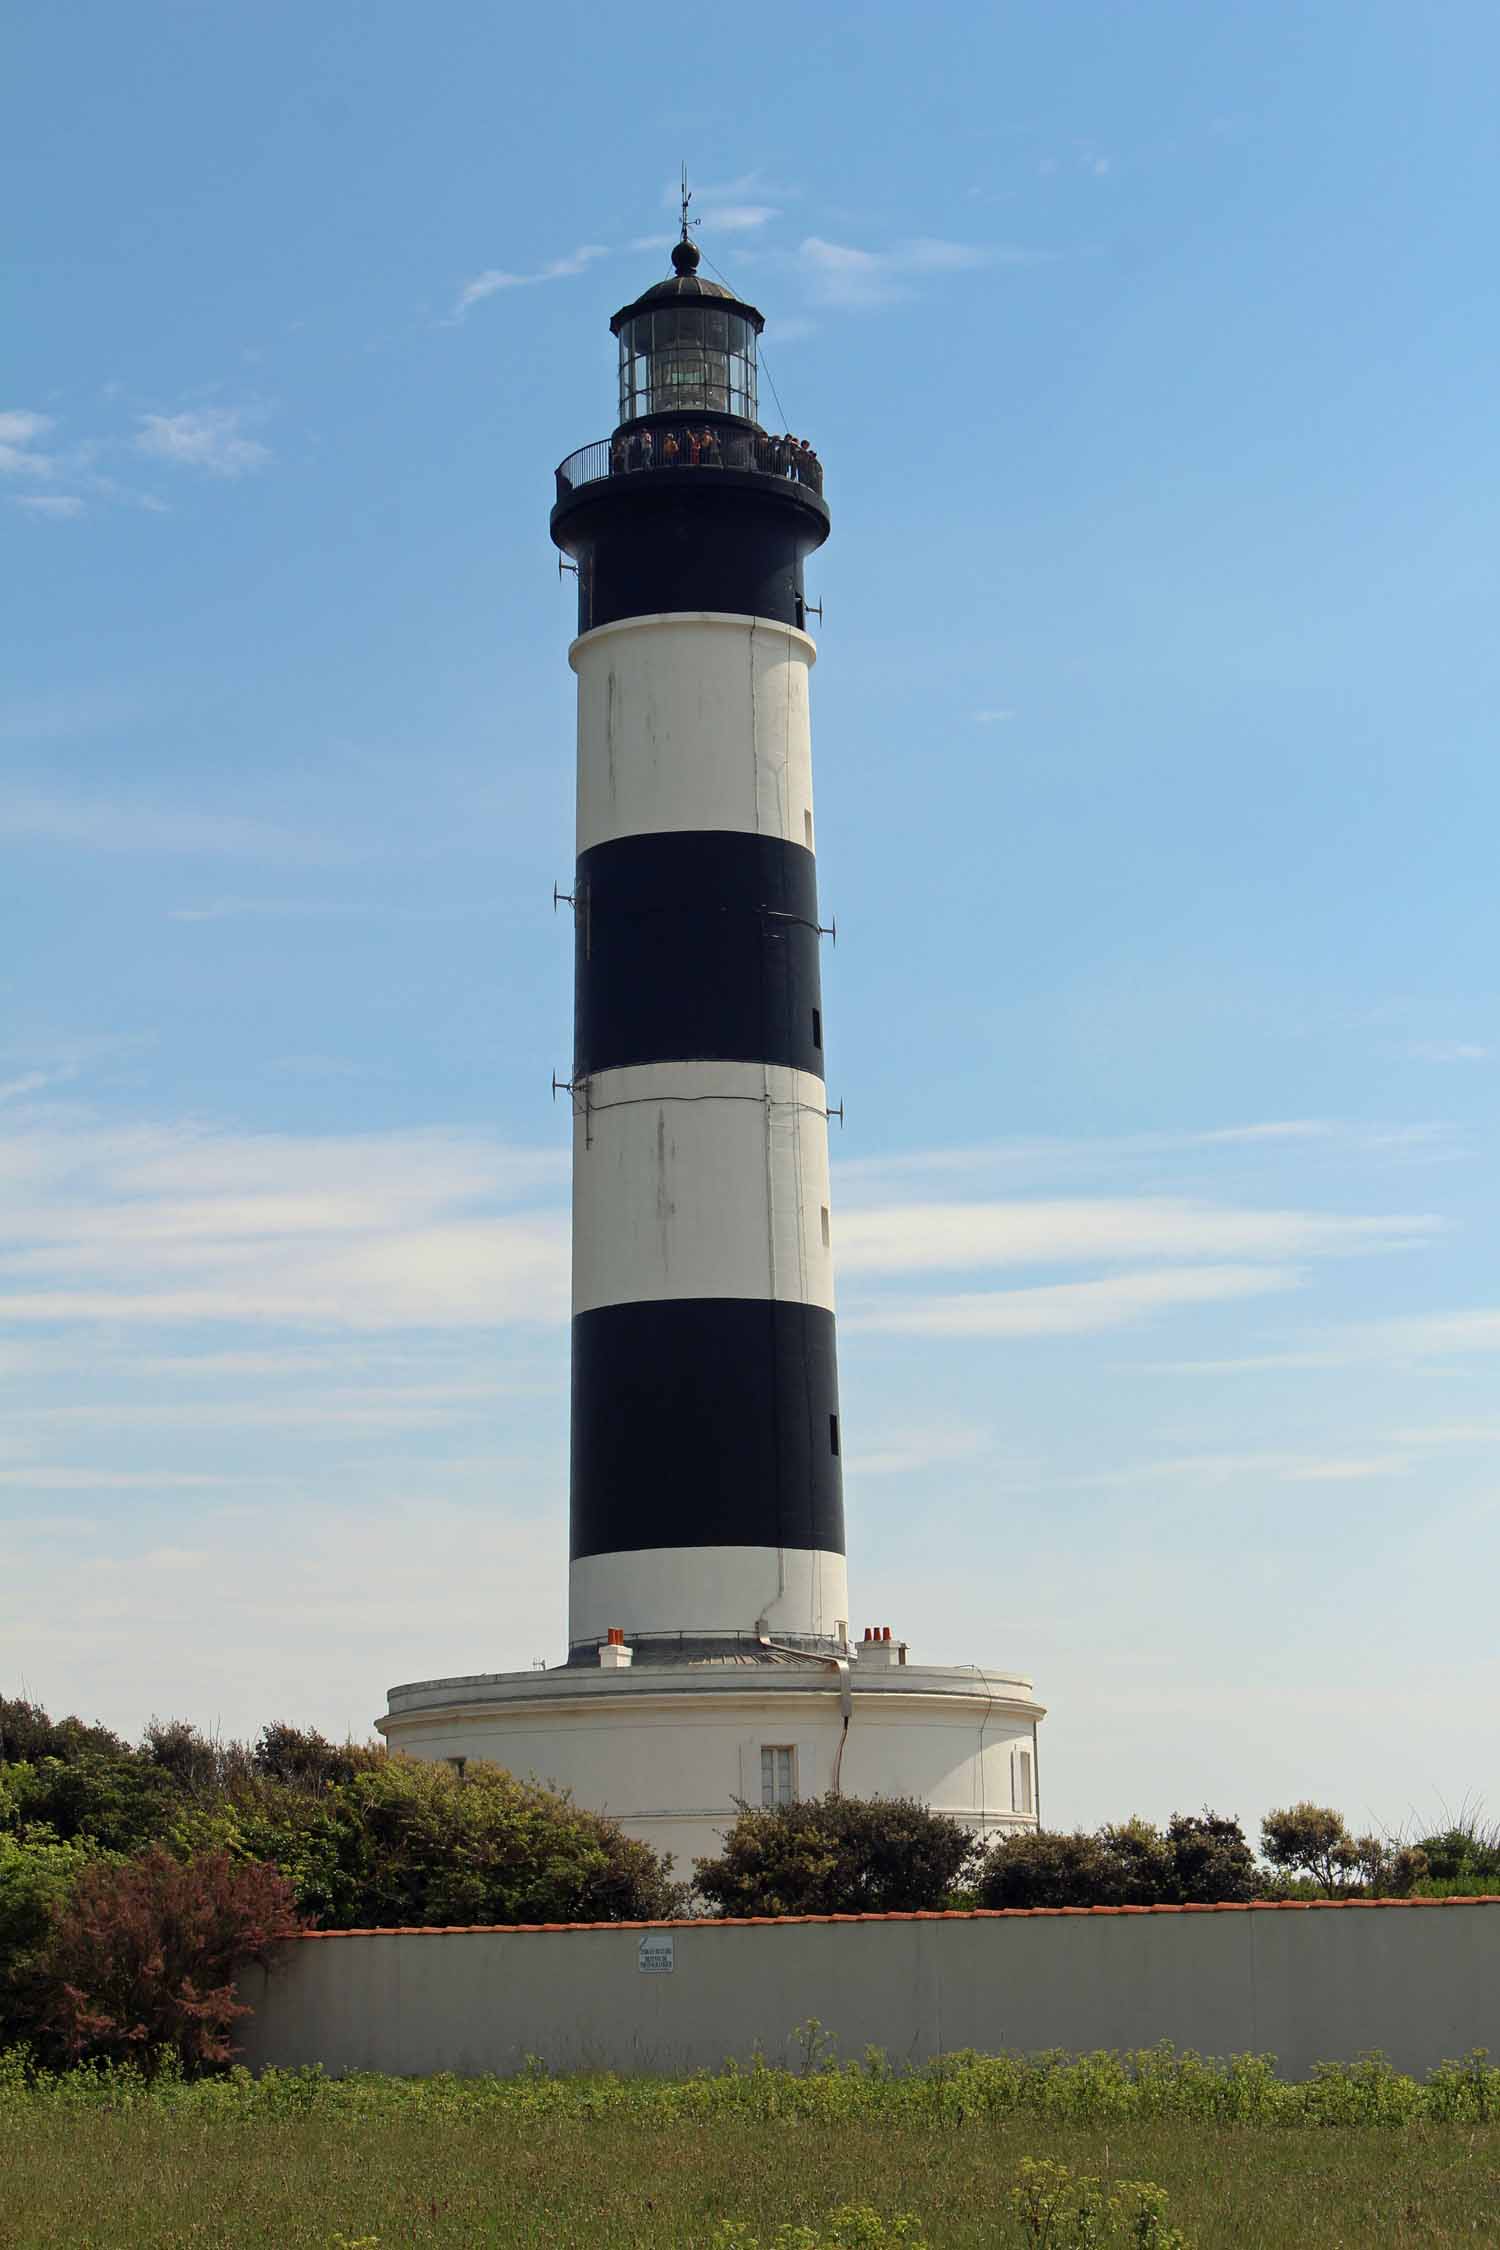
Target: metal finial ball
<point>684,258</point>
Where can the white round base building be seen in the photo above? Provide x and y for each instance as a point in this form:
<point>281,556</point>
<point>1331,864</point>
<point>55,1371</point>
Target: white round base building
<point>672,1747</point>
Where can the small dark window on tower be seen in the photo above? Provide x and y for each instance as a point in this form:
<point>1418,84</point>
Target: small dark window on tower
<point>817,1028</point>
<point>833,1433</point>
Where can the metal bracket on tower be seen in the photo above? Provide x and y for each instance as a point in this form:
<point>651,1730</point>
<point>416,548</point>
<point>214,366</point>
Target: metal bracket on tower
<point>573,1087</point>
<point>823,929</point>
<point>562,566</point>
<point>813,609</point>
<point>562,898</point>
<point>838,1113</point>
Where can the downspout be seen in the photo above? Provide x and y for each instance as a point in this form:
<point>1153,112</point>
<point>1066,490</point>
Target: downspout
<point>839,1664</point>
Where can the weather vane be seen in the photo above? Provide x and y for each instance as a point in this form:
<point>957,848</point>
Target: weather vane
<point>687,197</point>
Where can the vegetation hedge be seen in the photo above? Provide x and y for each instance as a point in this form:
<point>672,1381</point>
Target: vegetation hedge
<point>134,1879</point>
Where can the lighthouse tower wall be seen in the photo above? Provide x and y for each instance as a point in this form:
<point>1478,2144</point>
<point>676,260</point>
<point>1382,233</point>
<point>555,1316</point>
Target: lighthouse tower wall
<point>706,1493</point>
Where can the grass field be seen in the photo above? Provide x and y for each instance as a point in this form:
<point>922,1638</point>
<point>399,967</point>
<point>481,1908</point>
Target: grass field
<point>296,2160</point>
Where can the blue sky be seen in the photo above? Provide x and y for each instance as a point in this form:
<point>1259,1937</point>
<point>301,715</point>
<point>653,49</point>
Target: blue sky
<point>1149,355</point>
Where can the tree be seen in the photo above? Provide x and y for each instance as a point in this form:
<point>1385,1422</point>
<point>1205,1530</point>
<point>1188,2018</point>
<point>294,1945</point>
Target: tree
<point>110,1797</point>
<point>837,1855</point>
<point>1212,1863</point>
<point>303,1756</point>
<point>143,1955</point>
<point>1140,1869</point>
<point>1307,1839</point>
<point>27,1735</point>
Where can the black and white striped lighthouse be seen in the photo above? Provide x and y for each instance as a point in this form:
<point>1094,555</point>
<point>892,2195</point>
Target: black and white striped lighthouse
<point>706,1493</point>
<point>709,1659</point>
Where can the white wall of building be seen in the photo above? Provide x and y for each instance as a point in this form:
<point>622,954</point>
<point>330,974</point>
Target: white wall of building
<point>655,694</point>
<point>702,1591</point>
<point>1418,1982</point>
<point>701,1179</point>
<point>668,1755</point>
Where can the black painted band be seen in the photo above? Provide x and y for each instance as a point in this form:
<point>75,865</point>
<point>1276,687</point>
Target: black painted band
<point>701,945</point>
<point>690,540</point>
<point>705,1422</point>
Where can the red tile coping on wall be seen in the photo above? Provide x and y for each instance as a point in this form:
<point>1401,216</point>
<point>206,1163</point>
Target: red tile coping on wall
<point>942,1914</point>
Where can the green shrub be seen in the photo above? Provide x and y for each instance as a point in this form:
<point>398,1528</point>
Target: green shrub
<point>1065,2210</point>
<point>363,1837</point>
<point>1212,1865</point>
<point>37,1875</point>
<point>854,2226</point>
<point>414,1842</point>
<point>1044,1867</point>
<point>837,1855</point>
<point>1199,1860</point>
<point>1465,1854</point>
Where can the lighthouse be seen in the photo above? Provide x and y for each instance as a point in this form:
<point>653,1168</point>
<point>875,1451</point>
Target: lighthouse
<point>706,1486</point>
<point>709,1658</point>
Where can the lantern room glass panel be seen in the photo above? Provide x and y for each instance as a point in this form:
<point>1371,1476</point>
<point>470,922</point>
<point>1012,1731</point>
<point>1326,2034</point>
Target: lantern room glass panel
<point>687,359</point>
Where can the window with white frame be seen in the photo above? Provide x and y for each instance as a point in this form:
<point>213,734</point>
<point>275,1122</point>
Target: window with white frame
<point>778,1774</point>
<point>1021,1794</point>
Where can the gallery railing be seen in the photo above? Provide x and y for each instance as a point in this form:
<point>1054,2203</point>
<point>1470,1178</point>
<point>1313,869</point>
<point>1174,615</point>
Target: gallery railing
<point>674,445</point>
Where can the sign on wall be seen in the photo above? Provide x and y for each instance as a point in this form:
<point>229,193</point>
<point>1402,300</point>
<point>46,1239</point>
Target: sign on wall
<point>656,1954</point>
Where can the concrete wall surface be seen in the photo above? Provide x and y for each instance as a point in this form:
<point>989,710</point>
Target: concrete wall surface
<point>1419,1982</point>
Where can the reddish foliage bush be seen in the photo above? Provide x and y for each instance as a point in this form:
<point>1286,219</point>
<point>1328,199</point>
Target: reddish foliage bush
<point>143,1956</point>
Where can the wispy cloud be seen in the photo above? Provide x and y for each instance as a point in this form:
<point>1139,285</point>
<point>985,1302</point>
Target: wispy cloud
<point>169,1227</point>
<point>905,1452</point>
<point>979,1167</point>
<point>1448,1051</point>
<point>54,507</point>
<point>211,438</point>
<point>992,718</point>
<point>925,1237</point>
<point>331,910</point>
<point>737,218</point>
<point>18,426</point>
<point>496,278</point>
<point>1388,1343</point>
<point>1429,1335</point>
<point>30,1082</point>
<point>1075,1308</point>
<point>98,824</point>
<point>1264,1468</point>
<point>37,1478</point>
<point>840,274</point>
<point>738,206</point>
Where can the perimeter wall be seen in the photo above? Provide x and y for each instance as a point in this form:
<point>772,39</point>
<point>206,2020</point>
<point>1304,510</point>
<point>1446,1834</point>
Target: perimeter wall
<point>1418,1981</point>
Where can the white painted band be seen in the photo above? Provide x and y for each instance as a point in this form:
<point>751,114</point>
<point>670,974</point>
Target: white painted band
<point>693,720</point>
<point>701,1179</point>
<point>708,1591</point>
